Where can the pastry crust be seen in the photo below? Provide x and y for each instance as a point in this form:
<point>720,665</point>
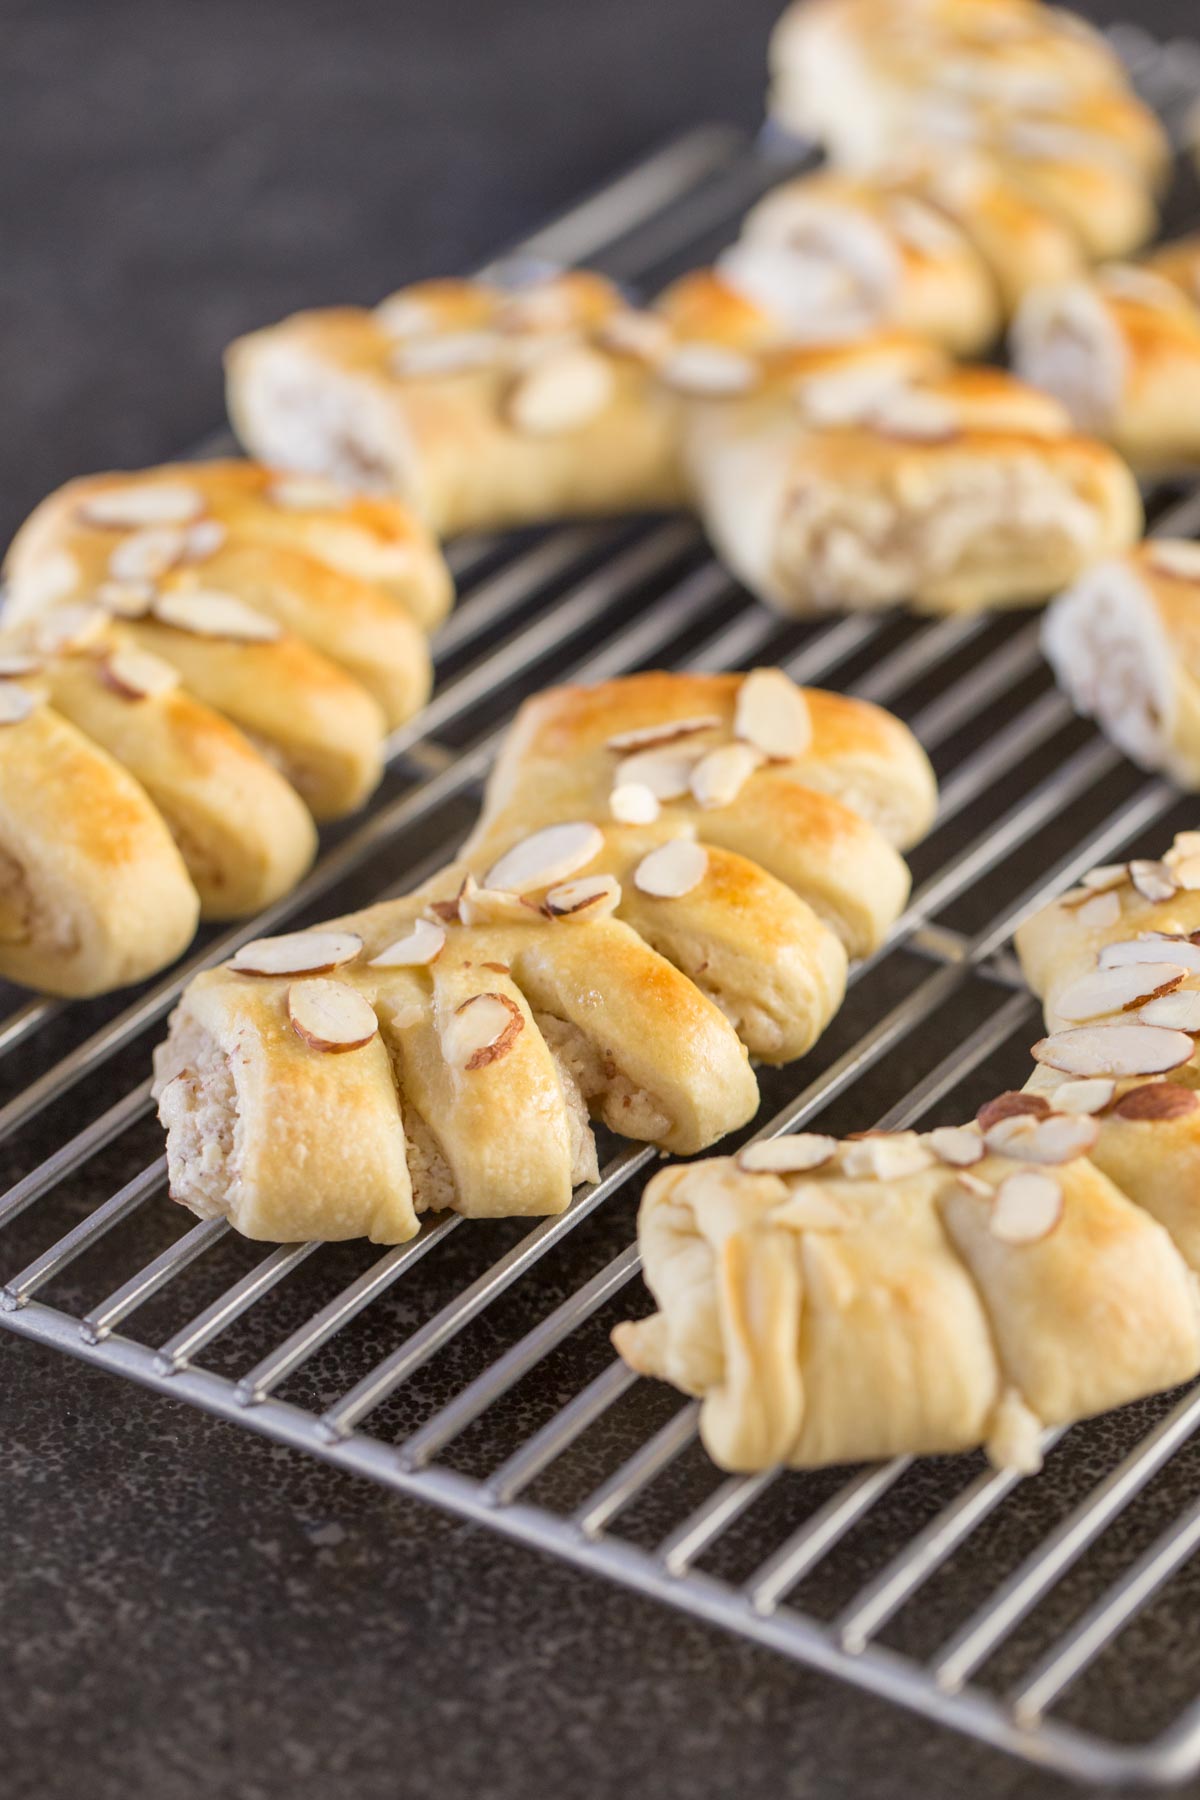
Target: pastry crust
<point>1122,352</point>
<point>1124,643</point>
<point>93,893</point>
<point>851,1314</point>
<point>483,405</point>
<point>951,494</point>
<point>717,920</point>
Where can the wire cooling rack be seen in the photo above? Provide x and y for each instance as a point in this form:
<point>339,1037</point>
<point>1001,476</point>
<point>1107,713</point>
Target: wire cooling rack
<point>1050,1616</point>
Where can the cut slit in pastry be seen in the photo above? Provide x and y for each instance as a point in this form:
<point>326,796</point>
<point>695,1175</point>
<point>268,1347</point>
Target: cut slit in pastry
<point>567,965</point>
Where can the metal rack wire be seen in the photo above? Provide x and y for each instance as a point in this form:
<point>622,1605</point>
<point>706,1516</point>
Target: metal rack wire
<point>471,1367</point>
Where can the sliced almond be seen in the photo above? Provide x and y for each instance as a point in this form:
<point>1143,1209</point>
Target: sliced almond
<point>1178,1011</point>
<point>423,943</point>
<point>633,803</point>
<point>138,674</point>
<point>15,703</point>
<point>560,393</point>
<point>126,599</point>
<point>402,315</point>
<point>450,353</point>
<point>547,857</point>
<point>68,629</point>
<point>1099,911</point>
<point>1152,949</point>
<point>973,1184</point>
<point>17,662</point>
<point>592,897</point>
<point>718,778</point>
<point>208,612</point>
<point>1085,1096</point>
<point>329,1015</point>
<point>1026,1209</point>
<point>957,1145</point>
<point>641,335</point>
<point>147,555</point>
<point>667,774</point>
<point>482,1030</point>
<point>143,503</point>
<point>1117,1050</point>
<point>1178,557</point>
<point>1187,873</point>
<point>1059,1139</point>
<point>1108,875</point>
<point>772,714</point>
<point>297,953</point>
<point>203,539</point>
<point>915,417</point>
<point>493,906</point>
<point>672,870</point>
<point>647,737</point>
<point>1186,843</point>
<point>1116,990</point>
<point>795,1155</point>
<point>887,1156</point>
<point>1010,1106</point>
<point>1153,881</point>
<point>708,371</point>
<point>1157,1100</point>
<point>307,493</point>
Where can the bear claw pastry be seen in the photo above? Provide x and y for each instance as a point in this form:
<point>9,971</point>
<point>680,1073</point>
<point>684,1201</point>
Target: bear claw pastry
<point>570,963</point>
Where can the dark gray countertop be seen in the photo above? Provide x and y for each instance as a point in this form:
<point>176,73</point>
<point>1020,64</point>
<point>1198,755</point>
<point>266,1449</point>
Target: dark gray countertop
<point>187,1611</point>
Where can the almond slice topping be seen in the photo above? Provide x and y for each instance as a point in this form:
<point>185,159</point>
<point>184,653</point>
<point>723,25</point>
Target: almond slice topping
<point>1179,557</point>
<point>1187,843</point>
<point>708,371</point>
<point>482,1030</point>
<point>957,1145</point>
<point>591,897</point>
<point>672,870</point>
<point>719,777</point>
<point>1026,1209</point>
<point>973,1184</point>
<point>307,493</point>
<point>1177,951</point>
<point>126,599</point>
<point>560,393</point>
<point>772,714</point>
<point>633,803</point>
<point>1157,1100</point>
<point>329,1015</point>
<point>401,315</point>
<point>208,612</point>
<point>1059,1139</point>
<point>643,336</point>
<point>1178,1011</point>
<point>15,703</point>
<point>451,353</point>
<point>143,503</point>
<point>493,906</point>
<point>1009,1106</point>
<point>547,857</point>
<point>70,628</point>
<point>667,774</point>
<point>1099,911</point>
<point>646,737</point>
<point>147,554</point>
<point>1118,1050</point>
<point>794,1155</point>
<point>1186,871</point>
<point>138,674</point>
<point>17,662</point>
<point>422,944</point>
<point>297,953</point>
<point>915,417</point>
<point>1117,990</point>
<point>1153,881</point>
<point>1108,875</point>
<point>1090,1096</point>
<point>888,1156</point>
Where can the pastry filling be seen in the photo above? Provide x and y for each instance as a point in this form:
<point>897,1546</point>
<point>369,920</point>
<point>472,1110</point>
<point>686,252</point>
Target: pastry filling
<point>304,415</point>
<point>24,919</point>
<point>1065,342</point>
<point>602,1090</point>
<point>198,1105</point>
<point>1104,641</point>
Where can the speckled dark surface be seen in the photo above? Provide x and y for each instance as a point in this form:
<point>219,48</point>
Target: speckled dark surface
<point>187,1611</point>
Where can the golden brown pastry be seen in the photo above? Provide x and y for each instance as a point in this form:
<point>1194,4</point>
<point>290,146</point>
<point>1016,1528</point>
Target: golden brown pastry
<point>93,893</point>
<point>484,404</point>
<point>1122,352</point>
<point>953,493</point>
<point>668,870</point>
<point>904,1294</point>
<point>1124,642</point>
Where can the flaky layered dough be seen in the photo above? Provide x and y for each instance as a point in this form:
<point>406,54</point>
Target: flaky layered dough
<point>953,494</point>
<point>484,406</point>
<point>1122,353</point>
<point>1124,643</point>
<point>626,981</point>
<point>93,893</point>
<point>854,1312</point>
